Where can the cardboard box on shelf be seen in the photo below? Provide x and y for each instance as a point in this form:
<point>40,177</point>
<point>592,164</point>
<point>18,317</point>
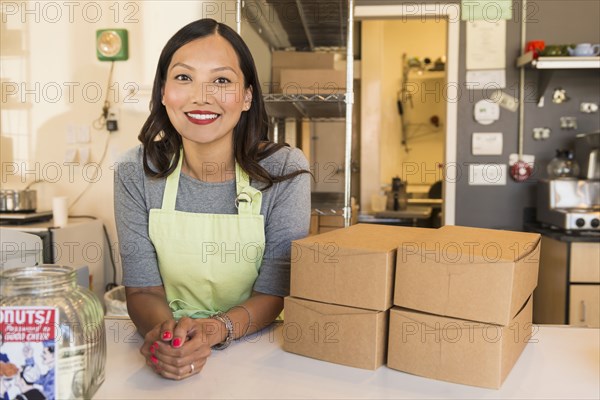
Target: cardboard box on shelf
<point>469,273</point>
<point>351,266</point>
<point>300,60</point>
<point>455,350</point>
<point>338,334</point>
<point>304,59</point>
<point>310,81</point>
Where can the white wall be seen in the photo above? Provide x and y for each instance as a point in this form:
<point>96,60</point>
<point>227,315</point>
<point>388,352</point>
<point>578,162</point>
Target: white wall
<point>61,67</point>
<point>383,43</point>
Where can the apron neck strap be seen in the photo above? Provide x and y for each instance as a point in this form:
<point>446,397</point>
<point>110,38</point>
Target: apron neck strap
<point>248,200</point>
<point>170,195</point>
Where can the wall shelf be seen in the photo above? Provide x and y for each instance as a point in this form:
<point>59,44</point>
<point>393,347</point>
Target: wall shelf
<point>527,60</point>
<point>547,65</point>
<point>305,105</point>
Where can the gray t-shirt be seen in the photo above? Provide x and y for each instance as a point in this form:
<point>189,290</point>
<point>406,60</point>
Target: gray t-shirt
<point>285,207</point>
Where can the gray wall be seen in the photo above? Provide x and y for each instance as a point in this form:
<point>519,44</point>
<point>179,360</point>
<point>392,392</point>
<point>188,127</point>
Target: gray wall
<point>555,22</point>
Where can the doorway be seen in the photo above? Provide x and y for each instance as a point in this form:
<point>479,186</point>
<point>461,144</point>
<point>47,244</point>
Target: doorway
<point>408,119</point>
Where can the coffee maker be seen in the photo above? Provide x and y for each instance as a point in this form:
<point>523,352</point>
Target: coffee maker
<point>573,203</point>
<point>587,149</point>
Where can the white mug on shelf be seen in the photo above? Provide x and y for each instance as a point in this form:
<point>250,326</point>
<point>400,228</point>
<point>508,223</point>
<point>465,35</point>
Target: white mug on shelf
<point>60,211</point>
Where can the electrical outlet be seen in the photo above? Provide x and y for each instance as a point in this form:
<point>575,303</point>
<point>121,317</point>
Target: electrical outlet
<point>568,123</point>
<point>112,119</point>
<point>588,108</point>
<point>541,133</point>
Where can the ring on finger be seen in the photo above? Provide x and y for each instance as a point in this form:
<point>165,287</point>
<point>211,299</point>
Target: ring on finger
<point>192,368</point>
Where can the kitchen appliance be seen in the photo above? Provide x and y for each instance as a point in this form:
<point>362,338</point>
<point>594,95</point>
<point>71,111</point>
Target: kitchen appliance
<point>20,218</point>
<point>587,155</point>
<point>18,200</point>
<point>569,204</point>
<point>80,245</point>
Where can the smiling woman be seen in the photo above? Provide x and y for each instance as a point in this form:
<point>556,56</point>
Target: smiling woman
<point>205,95</point>
<point>206,208</point>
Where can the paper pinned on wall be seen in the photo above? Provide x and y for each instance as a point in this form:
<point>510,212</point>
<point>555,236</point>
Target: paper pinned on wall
<point>486,45</point>
<point>488,10</point>
<point>486,79</point>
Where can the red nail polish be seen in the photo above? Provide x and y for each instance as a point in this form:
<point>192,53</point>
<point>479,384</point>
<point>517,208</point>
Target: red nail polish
<point>155,345</point>
<point>152,349</point>
<point>176,342</point>
<point>154,360</point>
<point>167,335</point>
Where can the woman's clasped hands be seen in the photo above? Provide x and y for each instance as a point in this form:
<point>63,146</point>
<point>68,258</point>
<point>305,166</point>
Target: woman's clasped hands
<point>179,349</point>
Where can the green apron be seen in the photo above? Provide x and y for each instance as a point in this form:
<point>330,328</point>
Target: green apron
<point>208,262</point>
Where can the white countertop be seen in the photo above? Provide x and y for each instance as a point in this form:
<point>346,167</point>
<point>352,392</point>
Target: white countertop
<point>560,362</point>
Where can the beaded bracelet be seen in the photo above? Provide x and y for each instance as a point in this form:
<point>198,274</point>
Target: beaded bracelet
<point>224,318</point>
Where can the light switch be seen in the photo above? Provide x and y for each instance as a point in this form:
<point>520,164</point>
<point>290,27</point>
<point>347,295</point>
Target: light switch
<point>84,154</point>
<point>71,135</point>
<point>487,144</point>
<point>83,134</point>
<point>487,174</point>
<point>70,155</point>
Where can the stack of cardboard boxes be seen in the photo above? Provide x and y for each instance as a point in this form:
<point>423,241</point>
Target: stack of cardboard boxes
<point>311,73</point>
<point>341,292</point>
<point>462,300</point>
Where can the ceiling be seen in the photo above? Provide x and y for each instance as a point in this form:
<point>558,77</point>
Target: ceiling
<point>305,25</point>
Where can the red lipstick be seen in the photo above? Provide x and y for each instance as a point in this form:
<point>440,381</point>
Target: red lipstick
<point>199,117</point>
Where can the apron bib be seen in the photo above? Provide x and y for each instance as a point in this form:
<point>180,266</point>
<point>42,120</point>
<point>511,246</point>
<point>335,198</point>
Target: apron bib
<point>208,262</point>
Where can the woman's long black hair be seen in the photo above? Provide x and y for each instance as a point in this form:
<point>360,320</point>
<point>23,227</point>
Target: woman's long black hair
<point>161,141</point>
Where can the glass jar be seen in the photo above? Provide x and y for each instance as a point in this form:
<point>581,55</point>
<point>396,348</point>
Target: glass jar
<point>52,332</point>
<point>563,165</point>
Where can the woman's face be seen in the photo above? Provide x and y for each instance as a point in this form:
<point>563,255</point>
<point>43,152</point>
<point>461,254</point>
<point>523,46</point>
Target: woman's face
<point>204,92</point>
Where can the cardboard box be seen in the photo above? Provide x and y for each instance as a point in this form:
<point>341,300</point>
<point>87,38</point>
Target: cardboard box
<point>314,225</point>
<point>454,350</point>
<point>338,334</point>
<point>332,221</point>
<point>304,59</point>
<point>470,273</point>
<point>300,60</point>
<point>321,223</point>
<point>310,81</point>
<point>351,266</point>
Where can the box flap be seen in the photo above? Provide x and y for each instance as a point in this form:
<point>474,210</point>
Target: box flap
<point>361,239</point>
<point>433,321</point>
<point>357,280</point>
<point>460,244</point>
<point>489,283</point>
<point>337,334</point>
<point>457,350</point>
<point>328,309</point>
